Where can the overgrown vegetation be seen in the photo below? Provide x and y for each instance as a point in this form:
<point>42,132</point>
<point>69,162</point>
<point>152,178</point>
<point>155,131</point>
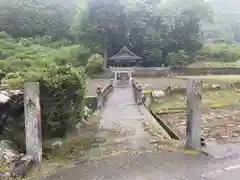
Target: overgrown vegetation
<point>62,96</point>
<point>30,53</point>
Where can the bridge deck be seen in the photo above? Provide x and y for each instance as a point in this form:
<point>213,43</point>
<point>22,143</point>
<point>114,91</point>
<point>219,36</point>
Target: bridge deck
<point>123,115</point>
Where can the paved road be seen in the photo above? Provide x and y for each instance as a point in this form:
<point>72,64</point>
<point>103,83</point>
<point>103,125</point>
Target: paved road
<point>152,166</point>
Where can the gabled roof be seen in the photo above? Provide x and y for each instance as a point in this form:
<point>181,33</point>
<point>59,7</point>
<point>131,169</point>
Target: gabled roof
<point>125,54</point>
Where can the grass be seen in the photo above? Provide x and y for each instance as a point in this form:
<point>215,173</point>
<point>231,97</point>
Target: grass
<point>211,99</point>
<point>147,91</point>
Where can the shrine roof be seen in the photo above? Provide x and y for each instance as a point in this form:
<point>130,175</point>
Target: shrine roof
<point>125,54</point>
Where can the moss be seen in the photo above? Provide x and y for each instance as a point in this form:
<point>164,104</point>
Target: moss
<point>147,91</point>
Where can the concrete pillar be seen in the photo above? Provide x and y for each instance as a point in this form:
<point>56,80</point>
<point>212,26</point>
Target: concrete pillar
<point>193,131</point>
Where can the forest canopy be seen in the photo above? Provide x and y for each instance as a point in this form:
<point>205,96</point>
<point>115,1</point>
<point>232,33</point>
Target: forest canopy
<point>154,30</point>
<point>151,29</point>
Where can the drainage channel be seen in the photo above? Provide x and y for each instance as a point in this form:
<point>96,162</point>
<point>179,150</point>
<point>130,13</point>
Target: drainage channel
<point>170,132</point>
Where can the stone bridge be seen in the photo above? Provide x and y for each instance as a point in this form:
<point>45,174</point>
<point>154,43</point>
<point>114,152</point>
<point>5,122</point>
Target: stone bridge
<point>120,111</point>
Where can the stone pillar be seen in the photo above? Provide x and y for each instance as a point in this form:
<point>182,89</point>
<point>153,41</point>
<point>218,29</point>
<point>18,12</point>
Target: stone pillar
<point>99,98</point>
<point>193,130</point>
<point>130,77</point>
<point>115,79</point>
<point>32,115</point>
<point>111,82</point>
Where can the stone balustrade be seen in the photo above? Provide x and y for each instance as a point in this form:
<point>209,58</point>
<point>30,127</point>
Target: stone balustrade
<point>137,92</point>
<point>102,95</point>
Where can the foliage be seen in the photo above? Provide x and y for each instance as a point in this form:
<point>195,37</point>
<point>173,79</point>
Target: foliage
<point>226,22</point>
<point>102,26</point>
<point>26,18</point>
<point>40,52</point>
<point>149,29</point>
<point>220,52</point>
<point>178,59</point>
<point>62,95</point>
<point>95,64</point>
<point>2,75</point>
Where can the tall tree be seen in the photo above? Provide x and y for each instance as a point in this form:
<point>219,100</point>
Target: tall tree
<point>226,18</point>
<point>27,18</point>
<point>103,27</point>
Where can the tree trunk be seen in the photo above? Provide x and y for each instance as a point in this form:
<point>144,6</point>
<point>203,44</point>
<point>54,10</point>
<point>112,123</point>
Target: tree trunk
<point>105,64</point>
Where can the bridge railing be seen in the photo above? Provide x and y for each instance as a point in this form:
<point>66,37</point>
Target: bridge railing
<point>137,92</point>
<point>140,96</point>
<point>102,95</point>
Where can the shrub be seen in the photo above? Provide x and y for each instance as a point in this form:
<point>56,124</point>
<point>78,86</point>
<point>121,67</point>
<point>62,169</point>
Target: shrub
<point>39,52</point>
<point>61,97</point>
<point>2,75</point>
<point>178,59</point>
<point>95,64</point>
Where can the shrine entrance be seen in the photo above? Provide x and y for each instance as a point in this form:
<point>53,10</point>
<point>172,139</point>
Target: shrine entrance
<point>122,78</point>
<point>122,65</point>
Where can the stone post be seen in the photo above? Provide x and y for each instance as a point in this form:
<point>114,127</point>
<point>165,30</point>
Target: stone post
<point>32,114</point>
<point>115,79</point>
<point>193,130</point>
<point>130,77</point>
<point>111,82</point>
<point>99,98</point>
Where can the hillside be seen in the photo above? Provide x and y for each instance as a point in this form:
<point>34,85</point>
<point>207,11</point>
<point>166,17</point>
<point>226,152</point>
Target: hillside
<point>226,21</point>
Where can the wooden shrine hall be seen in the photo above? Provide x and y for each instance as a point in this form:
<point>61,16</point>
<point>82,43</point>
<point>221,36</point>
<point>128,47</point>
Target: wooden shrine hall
<point>125,58</point>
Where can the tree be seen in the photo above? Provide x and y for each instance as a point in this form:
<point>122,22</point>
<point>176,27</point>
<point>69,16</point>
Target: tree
<point>226,18</point>
<point>178,59</point>
<point>183,22</point>
<point>102,27</point>
<point>150,29</point>
<point>27,18</point>
<point>95,64</point>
